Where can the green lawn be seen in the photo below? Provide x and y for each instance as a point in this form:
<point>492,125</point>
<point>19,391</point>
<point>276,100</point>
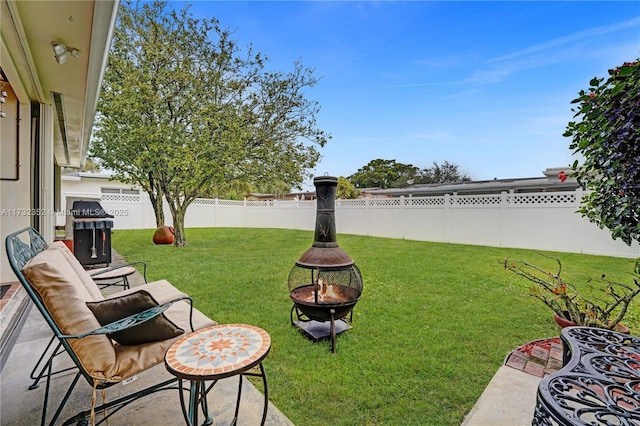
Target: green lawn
<point>434,323</point>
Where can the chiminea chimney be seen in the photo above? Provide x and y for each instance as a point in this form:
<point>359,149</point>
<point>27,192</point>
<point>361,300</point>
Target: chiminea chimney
<point>325,250</point>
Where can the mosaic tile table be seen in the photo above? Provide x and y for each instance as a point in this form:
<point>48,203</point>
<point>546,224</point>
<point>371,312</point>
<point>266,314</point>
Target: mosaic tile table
<point>214,353</point>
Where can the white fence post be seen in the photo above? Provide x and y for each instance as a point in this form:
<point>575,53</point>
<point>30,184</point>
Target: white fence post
<point>447,218</point>
<point>403,217</point>
<point>504,219</point>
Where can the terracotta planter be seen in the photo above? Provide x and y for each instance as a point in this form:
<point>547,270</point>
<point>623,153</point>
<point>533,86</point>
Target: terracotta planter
<point>563,322</point>
<point>163,235</point>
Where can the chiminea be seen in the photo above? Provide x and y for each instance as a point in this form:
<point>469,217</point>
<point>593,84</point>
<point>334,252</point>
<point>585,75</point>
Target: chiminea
<point>325,284</point>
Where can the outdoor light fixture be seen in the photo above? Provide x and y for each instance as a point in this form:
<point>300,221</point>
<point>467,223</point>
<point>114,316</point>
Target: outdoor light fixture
<point>61,52</point>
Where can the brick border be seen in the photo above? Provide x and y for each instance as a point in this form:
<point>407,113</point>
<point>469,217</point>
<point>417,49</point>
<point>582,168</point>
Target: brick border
<point>538,358</point>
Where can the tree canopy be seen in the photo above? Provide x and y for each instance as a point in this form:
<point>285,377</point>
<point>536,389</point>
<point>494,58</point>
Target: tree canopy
<point>183,111</point>
<point>392,174</point>
<point>606,134</point>
<point>345,189</point>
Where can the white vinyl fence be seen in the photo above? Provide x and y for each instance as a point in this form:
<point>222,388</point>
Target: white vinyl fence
<point>542,221</point>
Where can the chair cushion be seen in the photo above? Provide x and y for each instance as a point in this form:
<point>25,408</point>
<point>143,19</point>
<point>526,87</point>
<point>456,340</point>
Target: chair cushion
<point>64,298</point>
<point>84,276</point>
<point>114,309</point>
<point>162,291</point>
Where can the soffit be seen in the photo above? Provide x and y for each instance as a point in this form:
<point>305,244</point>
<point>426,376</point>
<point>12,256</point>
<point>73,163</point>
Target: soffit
<point>72,88</point>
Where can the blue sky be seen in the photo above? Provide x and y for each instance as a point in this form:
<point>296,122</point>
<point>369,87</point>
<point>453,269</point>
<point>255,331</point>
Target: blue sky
<point>485,85</point>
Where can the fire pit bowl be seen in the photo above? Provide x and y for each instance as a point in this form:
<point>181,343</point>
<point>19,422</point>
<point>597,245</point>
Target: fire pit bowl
<point>303,299</point>
<point>325,284</point>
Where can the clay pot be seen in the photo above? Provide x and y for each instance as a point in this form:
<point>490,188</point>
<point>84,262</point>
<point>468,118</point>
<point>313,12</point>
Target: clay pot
<point>563,322</point>
<point>164,235</point>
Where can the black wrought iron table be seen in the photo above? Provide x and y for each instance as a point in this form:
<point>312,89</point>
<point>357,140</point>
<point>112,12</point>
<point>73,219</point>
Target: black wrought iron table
<point>599,383</point>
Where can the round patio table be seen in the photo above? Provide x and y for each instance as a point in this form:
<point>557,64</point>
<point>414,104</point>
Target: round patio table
<point>106,274</point>
<point>213,353</point>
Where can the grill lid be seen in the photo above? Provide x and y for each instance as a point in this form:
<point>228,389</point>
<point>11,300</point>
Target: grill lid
<point>88,209</point>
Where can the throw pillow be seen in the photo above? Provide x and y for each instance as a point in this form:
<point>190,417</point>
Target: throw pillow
<point>110,310</point>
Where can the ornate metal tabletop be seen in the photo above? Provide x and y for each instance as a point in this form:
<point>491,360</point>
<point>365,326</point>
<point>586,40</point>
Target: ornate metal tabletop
<point>599,384</point>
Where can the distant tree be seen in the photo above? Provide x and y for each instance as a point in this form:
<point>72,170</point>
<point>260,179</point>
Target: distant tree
<point>89,166</point>
<point>278,188</point>
<point>233,190</point>
<point>442,173</point>
<point>182,111</point>
<point>384,174</point>
<point>238,190</point>
<point>345,189</point>
<point>391,174</point>
<point>606,134</point>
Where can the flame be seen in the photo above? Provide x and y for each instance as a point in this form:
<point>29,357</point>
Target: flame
<point>326,291</point>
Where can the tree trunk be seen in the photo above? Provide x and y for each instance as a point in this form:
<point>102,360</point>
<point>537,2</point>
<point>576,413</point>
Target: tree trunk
<point>178,227</point>
<point>158,210</point>
<point>156,197</point>
<point>178,211</point>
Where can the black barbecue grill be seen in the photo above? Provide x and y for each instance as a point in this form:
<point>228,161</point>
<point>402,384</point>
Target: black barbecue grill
<point>91,233</point>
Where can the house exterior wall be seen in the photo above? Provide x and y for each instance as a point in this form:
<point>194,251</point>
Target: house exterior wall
<point>91,184</point>
<point>15,186</point>
<point>50,97</point>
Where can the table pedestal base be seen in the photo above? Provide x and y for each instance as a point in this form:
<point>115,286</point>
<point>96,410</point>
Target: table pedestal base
<point>198,391</point>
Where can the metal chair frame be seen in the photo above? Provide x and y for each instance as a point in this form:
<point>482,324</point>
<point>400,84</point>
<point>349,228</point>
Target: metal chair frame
<point>36,377</point>
<point>23,245</point>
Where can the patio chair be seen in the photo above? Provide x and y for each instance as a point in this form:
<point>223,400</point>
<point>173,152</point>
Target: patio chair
<point>109,340</point>
<point>121,280</point>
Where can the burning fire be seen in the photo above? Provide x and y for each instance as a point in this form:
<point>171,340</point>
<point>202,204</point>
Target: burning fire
<point>326,293</point>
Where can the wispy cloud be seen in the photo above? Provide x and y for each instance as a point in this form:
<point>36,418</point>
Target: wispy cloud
<point>478,77</point>
<point>560,41</point>
<point>497,69</point>
<point>439,135</point>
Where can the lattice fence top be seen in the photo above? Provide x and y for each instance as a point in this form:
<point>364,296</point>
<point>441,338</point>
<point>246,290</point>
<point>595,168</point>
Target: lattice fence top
<point>351,203</point>
<point>425,202</point>
<point>476,200</point>
<point>385,202</point>
<point>204,201</point>
<point>266,203</point>
<point>489,200</point>
<point>230,203</point>
<point>546,198</point>
<point>122,198</point>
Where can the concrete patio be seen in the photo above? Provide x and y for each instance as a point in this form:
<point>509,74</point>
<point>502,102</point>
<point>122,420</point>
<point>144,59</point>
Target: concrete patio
<point>21,406</point>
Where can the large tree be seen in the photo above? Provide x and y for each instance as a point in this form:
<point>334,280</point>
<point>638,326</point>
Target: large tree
<point>606,135</point>
<point>442,173</point>
<point>184,111</point>
<point>392,174</point>
<point>346,190</point>
<point>383,174</point>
